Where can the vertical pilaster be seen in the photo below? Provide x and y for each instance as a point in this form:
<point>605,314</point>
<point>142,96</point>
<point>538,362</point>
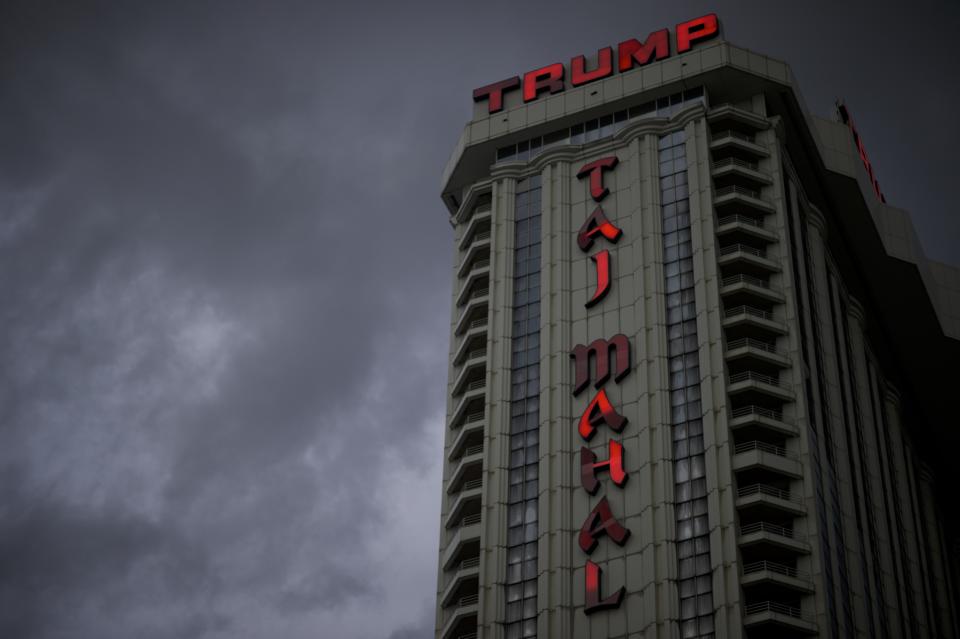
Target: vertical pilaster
<point>556,438</point>
<point>912,556</point>
<point>832,526</point>
<point>935,551</point>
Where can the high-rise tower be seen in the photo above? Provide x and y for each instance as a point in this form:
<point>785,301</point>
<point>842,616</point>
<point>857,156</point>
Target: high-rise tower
<point>702,377</point>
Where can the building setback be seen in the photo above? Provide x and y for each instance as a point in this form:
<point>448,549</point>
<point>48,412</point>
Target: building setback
<point>702,378</point>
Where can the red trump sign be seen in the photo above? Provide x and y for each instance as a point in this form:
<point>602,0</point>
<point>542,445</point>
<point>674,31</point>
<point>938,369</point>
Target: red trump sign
<point>630,53</point>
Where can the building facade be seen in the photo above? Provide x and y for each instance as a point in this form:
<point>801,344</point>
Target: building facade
<point>701,375</point>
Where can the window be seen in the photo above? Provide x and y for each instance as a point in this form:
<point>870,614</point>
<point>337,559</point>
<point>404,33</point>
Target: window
<point>522,528</point>
<point>690,488</point>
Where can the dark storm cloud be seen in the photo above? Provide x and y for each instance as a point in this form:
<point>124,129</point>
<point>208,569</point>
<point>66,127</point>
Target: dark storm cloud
<point>224,292</point>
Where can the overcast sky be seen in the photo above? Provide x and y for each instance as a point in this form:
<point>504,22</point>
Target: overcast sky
<point>225,276</point>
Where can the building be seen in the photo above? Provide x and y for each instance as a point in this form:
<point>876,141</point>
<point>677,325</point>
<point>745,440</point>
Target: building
<point>702,377</point>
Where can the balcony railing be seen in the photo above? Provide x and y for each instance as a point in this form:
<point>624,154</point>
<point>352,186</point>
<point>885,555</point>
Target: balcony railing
<point>730,133</point>
<point>475,237</point>
<point>736,189</point>
<point>743,219</point>
<point>751,376</point>
<point>475,353</point>
<point>760,411</point>
<point>778,608</point>
<point>469,600</point>
<point>744,279</point>
<point>749,342</point>
<point>475,384</point>
<point>742,248</point>
<point>472,562</point>
<point>770,491</point>
<point>749,310</point>
<point>473,450</point>
<point>479,264</point>
<point>470,520</point>
<point>744,447</point>
<point>474,417</point>
<point>762,526</point>
<point>478,292</point>
<point>477,323</point>
<point>472,484</point>
<point>780,569</point>
<point>732,161</point>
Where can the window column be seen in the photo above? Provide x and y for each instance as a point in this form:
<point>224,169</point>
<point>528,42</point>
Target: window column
<point>683,362</point>
<point>522,570</point>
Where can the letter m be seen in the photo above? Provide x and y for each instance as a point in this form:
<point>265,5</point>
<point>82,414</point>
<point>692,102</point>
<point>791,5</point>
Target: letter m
<point>600,350</point>
<point>630,52</point>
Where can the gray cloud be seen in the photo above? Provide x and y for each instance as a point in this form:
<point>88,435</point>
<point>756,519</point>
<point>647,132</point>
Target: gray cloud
<point>224,292</point>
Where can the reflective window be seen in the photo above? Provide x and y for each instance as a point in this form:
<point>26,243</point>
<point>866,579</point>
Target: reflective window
<point>601,128</point>
<point>521,588</point>
<point>690,487</point>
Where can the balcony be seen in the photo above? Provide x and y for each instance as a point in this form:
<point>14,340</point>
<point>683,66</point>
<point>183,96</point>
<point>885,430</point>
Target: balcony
<point>464,544</point>
<point>468,468</point>
<point>746,317</point>
<point>466,576</point>
<point>757,419</point>
<point>467,502</point>
<point>477,256</point>
<point>468,437</point>
<point>463,621</point>
<point>747,258</point>
<point>736,142</point>
<point>741,226</point>
<point>478,229</point>
<point>473,374</point>
<point>478,247</point>
<point>778,617</point>
<point>477,283</point>
<point>474,338</point>
<point>757,384</point>
<point>773,536</point>
<point>734,168</point>
<point>770,573</point>
<point>732,113</point>
<point>470,404</point>
<point>763,496</point>
<point>474,315</point>
<point>745,198</point>
<point>765,456</point>
<point>750,349</point>
<point>474,341</point>
<point>742,286</point>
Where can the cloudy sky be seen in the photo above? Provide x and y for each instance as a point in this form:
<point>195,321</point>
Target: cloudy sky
<point>225,275</point>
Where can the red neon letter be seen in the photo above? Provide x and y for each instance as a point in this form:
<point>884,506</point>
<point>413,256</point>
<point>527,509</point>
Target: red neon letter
<point>692,31</point>
<point>578,74</point>
<point>593,601</point>
<point>595,170</point>
<point>597,224</point>
<point>601,522</point>
<point>549,77</point>
<point>494,93</point>
<point>589,466</point>
<point>600,349</point>
<point>602,260</point>
<point>600,411</point>
<point>657,47</point>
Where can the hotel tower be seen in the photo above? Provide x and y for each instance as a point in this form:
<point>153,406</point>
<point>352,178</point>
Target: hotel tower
<point>703,380</point>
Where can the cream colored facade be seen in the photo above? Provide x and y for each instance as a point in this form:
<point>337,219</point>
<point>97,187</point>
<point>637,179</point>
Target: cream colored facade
<point>822,441</point>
